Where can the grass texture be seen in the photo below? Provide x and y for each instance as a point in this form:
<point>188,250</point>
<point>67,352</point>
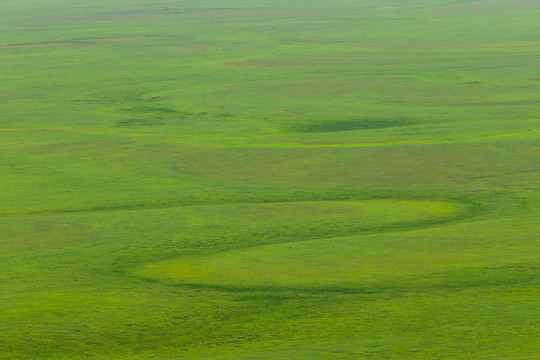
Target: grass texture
<point>269,180</point>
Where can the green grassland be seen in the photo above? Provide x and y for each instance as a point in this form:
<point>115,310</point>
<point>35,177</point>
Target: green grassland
<point>269,179</point>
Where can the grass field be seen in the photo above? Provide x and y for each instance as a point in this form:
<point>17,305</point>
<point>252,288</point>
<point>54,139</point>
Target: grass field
<point>269,180</point>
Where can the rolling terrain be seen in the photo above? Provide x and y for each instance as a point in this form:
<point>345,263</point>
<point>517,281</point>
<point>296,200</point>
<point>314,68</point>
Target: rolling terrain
<point>269,180</point>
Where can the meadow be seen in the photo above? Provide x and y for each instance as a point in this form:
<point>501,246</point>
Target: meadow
<point>269,179</point>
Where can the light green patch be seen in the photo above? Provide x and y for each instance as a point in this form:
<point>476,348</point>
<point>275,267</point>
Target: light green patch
<point>326,262</point>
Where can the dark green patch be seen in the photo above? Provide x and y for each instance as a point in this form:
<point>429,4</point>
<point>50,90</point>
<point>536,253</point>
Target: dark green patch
<point>347,125</point>
<point>154,110</point>
<point>138,122</point>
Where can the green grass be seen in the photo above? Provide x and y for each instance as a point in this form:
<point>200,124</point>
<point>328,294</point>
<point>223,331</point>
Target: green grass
<point>269,180</point>
<point>367,262</point>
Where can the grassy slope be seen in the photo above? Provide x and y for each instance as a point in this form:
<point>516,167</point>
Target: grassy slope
<point>135,134</point>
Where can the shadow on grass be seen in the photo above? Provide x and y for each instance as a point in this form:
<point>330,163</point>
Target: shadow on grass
<point>347,125</point>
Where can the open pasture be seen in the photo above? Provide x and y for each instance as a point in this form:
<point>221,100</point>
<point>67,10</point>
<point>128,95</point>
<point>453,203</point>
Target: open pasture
<point>269,180</point>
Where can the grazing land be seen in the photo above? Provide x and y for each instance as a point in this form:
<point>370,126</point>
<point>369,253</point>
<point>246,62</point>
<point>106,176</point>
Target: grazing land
<point>295,179</point>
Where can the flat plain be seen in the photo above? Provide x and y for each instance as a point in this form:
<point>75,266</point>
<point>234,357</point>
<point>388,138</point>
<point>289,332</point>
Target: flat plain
<point>269,179</point>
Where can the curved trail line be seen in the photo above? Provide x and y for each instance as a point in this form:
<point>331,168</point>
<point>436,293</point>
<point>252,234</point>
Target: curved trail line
<point>335,260</point>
